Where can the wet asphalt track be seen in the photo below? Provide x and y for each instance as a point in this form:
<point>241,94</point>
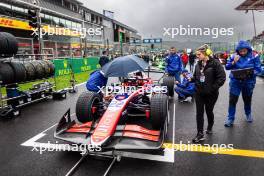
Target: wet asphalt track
<point>20,160</point>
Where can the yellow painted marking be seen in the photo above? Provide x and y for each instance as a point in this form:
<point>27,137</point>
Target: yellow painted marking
<point>215,150</point>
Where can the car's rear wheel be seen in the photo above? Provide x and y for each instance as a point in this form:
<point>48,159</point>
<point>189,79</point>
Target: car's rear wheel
<point>84,105</point>
<point>169,82</point>
<point>158,110</point>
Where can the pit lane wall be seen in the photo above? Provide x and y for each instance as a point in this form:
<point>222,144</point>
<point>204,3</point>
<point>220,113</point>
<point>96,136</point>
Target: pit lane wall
<point>78,65</point>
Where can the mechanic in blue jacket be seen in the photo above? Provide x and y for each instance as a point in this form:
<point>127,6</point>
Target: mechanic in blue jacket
<point>244,58</point>
<point>174,64</point>
<point>186,88</point>
<point>96,81</point>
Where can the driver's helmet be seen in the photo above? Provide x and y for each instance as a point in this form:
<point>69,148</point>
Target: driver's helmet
<point>138,74</point>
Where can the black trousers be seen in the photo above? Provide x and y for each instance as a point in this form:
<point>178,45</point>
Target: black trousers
<point>191,67</point>
<point>206,102</point>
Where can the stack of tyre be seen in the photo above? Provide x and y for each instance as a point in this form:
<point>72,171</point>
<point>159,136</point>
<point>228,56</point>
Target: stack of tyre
<point>8,44</point>
<point>17,72</point>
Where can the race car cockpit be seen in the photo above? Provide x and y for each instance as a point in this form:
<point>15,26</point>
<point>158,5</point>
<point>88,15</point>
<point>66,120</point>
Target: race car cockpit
<point>136,79</point>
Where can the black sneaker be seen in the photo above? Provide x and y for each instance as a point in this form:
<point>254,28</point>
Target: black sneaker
<point>181,99</point>
<point>199,137</point>
<point>209,131</point>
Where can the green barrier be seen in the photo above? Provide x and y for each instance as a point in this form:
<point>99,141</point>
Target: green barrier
<point>63,66</point>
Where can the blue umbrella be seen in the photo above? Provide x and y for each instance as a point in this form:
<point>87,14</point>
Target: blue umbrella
<point>121,66</point>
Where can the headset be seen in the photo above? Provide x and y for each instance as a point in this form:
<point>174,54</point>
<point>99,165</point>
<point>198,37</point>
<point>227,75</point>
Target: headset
<point>208,52</point>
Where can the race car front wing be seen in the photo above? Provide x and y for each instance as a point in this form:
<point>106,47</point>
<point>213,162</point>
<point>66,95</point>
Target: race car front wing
<point>126,137</point>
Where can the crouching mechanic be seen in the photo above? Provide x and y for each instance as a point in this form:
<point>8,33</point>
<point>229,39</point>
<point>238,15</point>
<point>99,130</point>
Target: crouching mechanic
<point>174,64</point>
<point>96,82</point>
<point>186,88</point>
<point>244,59</point>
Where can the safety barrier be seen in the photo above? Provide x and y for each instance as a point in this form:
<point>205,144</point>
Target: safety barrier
<point>77,65</point>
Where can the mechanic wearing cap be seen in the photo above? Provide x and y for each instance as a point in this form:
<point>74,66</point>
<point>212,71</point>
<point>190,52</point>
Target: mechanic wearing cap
<point>186,88</point>
<point>174,64</point>
<point>96,81</point>
<point>243,59</point>
<point>209,76</point>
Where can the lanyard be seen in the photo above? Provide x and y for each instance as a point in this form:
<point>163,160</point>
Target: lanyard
<point>202,68</point>
<point>202,76</point>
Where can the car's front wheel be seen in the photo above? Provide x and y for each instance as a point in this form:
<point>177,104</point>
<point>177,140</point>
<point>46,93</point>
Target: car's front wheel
<point>158,110</point>
<point>84,105</point>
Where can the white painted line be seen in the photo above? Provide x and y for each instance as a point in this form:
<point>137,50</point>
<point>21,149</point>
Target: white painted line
<point>77,85</point>
<point>32,140</point>
<point>173,131</point>
<point>49,128</point>
<point>80,84</point>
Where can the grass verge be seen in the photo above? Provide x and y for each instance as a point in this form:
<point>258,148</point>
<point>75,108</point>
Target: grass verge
<point>61,81</point>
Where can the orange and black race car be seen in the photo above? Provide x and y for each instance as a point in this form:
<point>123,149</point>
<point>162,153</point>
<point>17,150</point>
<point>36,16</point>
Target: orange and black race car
<point>129,121</point>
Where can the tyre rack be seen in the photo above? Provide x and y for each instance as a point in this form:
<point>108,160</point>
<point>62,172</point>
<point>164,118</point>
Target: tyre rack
<point>11,107</point>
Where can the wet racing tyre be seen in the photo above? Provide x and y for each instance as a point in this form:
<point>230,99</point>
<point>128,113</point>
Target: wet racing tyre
<point>158,110</point>
<point>12,43</point>
<point>39,69</point>
<point>30,71</point>
<point>169,82</point>
<point>84,105</point>
<point>51,68</point>
<point>19,71</point>
<point>7,75</point>
<point>3,44</point>
<point>46,68</point>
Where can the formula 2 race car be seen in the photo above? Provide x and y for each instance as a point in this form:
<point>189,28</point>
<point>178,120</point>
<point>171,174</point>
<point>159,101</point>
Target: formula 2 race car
<point>127,121</point>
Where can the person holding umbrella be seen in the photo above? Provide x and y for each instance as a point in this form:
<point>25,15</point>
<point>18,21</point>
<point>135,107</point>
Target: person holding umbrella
<point>209,76</point>
<point>116,68</point>
<point>122,66</point>
<point>96,81</point>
